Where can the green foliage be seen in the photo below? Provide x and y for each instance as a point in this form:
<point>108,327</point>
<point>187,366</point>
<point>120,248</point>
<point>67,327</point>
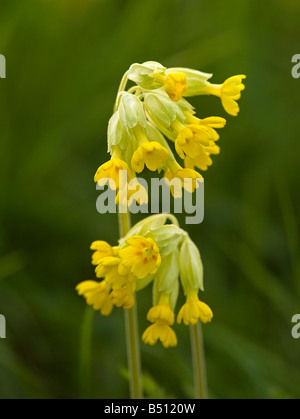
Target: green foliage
<point>64,63</point>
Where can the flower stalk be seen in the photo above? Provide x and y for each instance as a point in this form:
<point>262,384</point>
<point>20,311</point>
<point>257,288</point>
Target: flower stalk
<point>131,323</point>
<point>199,365</point>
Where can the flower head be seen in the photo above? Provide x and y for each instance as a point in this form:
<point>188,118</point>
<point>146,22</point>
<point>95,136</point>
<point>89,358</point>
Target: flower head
<point>152,251</point>
<point>141,255</point>
<point>152,154</point>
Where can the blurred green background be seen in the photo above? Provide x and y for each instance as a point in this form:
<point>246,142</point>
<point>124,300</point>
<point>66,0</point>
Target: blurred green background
<point>64,63</point>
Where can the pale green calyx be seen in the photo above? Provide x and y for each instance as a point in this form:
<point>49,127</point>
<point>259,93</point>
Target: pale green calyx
<point>190,265</point>
<point>131,111</point>
<point>167,238</point>
<point>162,110</point>
<point>167,279</point>
<point>196,80</point>
<point>146,75</point>
<point>116,133</point>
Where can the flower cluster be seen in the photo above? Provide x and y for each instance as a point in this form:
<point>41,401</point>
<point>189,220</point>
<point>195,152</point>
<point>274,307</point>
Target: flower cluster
<point>157,253</point>
<point>154,110</point>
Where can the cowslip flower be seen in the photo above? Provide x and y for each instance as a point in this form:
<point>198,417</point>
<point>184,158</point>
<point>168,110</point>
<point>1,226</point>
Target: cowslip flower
<point>151,154</point>
<point>97,295</point>
<point>229,92</point>
<point>110,171</point>
<point>194,309</point>
<point>203,160</point>
<point>179,177</point>
<point>141,256</point>
<point>162,317</point>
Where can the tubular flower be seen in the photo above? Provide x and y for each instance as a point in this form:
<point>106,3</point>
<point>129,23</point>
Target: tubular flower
<point>97,295</point>
<point>120,280</point>
<point>211,124</point>
<point>191,140</point>
<point>229,92</point>
<point>160,330</point>
<point>111,170</point>
<point>203,160</point>
<point>141,255</point>
<point>162,317</point>
<point>152,154</point>
<point>132,189</point>
<point>194,310</point>
<point>162,311</point>
<point>175,85</point>
<point>123,292</point>
<point>179,177</point>
<point>102,249</point>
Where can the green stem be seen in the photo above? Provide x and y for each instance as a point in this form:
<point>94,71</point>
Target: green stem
<point>121,89</point>
<point>85,353</point>
<point>133,347</point>
<point>199,362</point>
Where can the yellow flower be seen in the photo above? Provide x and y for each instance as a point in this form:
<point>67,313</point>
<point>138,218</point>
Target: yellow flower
<point>203,160</point>
<point>162,311</point>
<point>135,192</point>
<point>187,178</point>
<point>123,288</point>
<point>97,295</point>
<point>123,297</point>
<point>194,309</point>
<point>111,170</point>
<point>160,330</point>
<point>211,123</point>
<point>108,268</point>
<point>152,154</point>
<point>162,317</point>
<point>102,249</point>
<point>175,85</point>
<point>120,279</point>
<point>191,140</point>
<point>229,92</point>
<point>141,255</point>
